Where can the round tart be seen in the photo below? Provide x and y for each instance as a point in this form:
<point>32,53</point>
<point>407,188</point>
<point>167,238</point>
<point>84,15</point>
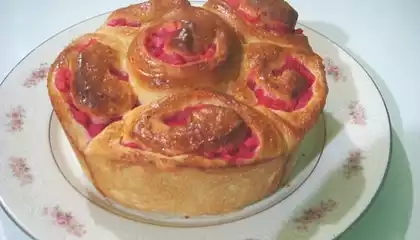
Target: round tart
<point>189,110</point>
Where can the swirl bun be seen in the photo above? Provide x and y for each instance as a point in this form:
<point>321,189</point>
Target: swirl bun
<point>189,110</point>
<point>202,129</point>
<point>284,83</point>
<point>187,44</point>
<point>267,20</point>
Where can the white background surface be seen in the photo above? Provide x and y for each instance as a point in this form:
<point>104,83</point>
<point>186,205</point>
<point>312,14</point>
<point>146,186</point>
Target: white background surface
<point>383,35</point>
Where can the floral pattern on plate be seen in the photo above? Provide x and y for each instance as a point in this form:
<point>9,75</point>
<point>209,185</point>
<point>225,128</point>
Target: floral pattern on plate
<point>353,164</point>
<point>357,113</point>
<point>65,220</point>
<point>38,75</point>
<point>315,214</point>
<point>16,119</point>
<point>21,170</point>
<point>334,70</point>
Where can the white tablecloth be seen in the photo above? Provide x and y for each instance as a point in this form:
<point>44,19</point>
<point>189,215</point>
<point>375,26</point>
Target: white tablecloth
<point>383,35</point>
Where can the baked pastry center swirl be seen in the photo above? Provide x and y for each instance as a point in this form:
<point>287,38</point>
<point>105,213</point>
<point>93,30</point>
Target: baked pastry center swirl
<point>200,128</point>
<point>187,44</point>
<point>279,80</point>
<point>91,81</point>
<point>95,86</point>
<point>222,129</point>
<point>205,130</point>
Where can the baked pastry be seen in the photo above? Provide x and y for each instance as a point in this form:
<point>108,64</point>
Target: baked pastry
<point>189,110</point>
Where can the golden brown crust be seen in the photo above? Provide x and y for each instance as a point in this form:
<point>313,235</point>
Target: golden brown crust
<point>95,80</point>
<point>65,101</point>
<point>183,190</point>
<point>188,48</point>
<point>76,135</point>
<point>284,75</point>
<point>126,22</point>
<point>95,89</point>
<point>227,93</point>
<point>160,8</point>
<point>172,152</point>
<point>268,20</point>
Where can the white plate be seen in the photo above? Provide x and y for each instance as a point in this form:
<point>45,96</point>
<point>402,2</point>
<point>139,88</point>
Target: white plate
<point>341,164</point>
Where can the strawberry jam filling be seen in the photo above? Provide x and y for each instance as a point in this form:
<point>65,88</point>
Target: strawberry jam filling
<point>181,118</point>
<point>130,144</point>
<point>82,46</point>
<point>230,152</point>
<point>299,101</point>
<point>86,121</point>
<point>251,15</point>
<point>244,150</point>
<point>157,43</point>
<point>118,73</point>
<point>233,3</point>
<point>299,31</point>
<point>122,22</point>
<point>63,79</point>
<point>232,147</point>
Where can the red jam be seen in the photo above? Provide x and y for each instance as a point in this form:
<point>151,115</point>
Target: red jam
<point>251,15</point>
<point>118,73</point>
<point>156,42</point>
<point>131,145</point>
<point>122,22</point>
<point>63,80</point>
<point>299,31</point>
<point>302,98</point>
<point>81,47</point>
<point>84,120</point>
<point>180,118</point>
<point>245,150</point>
<point>233,3</point>
<point>230,152</point>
